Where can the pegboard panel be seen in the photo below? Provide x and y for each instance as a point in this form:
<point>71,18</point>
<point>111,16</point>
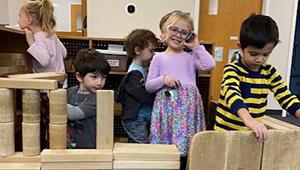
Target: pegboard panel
<point>72,81</point>
<point>73,46</point>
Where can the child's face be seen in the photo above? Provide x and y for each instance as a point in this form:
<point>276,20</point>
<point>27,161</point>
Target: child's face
<point>176,34</point>
<point>92,82</point>
<point>24,19</point>
<point>254,57</point>
<point>147,53</point>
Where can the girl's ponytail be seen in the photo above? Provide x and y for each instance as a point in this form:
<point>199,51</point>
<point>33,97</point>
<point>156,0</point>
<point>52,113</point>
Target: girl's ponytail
<point>47,20</point>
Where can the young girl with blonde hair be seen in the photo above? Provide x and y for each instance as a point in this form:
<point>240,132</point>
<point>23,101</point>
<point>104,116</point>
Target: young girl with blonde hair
<point>37,20</point>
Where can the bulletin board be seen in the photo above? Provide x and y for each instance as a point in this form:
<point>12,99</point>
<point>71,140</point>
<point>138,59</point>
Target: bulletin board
<point>116,18</point>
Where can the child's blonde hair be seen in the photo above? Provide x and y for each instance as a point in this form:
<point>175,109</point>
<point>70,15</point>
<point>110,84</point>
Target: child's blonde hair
<point>173,17</point>
<point>42,11</point>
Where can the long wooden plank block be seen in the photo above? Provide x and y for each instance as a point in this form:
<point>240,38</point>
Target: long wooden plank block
<point>272,125</point>
<point>282,150</point>
<point>145,152</point>
<point>208,151</point>
<point>19,157</point>
<point>36,84</point>
<point>280,122</point>
<point>20,166</point>
<point>146,165</point>
<point>76,155</point>
<point>244,151</point>
<point>59,76</point>
<point>77,165</point>
<point>105,119</point>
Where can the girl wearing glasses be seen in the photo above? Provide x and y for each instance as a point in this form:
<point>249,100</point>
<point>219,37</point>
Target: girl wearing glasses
<point>178,110</point>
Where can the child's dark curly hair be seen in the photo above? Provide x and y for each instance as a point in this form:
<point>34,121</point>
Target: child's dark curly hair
<point>140,38</point>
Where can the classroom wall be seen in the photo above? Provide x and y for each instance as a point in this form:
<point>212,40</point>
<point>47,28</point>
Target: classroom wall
<point>4,12</point>
<point>110,19</point>
<point>285,16</point>
<point>62,12</point>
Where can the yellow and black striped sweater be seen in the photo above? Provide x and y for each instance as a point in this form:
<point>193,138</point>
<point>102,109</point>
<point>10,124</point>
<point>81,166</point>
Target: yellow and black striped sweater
<point>243,88</point>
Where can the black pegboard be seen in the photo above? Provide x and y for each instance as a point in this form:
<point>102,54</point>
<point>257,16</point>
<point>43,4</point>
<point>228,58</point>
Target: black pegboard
<point>73,46</point>
<point>72,81</point>
<point>118,128</point>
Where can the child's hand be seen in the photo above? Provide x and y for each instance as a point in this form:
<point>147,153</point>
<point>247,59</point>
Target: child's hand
<point>171,82</point>
<point>259,129</point>
<point>193,43</point>
<point>29,36</point>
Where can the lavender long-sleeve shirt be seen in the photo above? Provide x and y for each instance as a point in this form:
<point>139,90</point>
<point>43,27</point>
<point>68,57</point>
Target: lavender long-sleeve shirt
<point>48,52</point>
<point>182,66</point>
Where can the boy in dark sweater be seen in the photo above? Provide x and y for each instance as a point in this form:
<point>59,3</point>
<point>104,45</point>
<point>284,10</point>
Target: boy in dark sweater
<point>91,70</point>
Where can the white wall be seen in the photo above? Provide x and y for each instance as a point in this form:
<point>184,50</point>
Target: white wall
<point>3,11</point>
<point>109,18</point>
<point>62,11</point>
<point>284,13</point>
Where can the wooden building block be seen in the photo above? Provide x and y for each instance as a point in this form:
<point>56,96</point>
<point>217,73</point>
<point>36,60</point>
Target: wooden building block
<point>5,70</point>
<point>76,159</point>
<point>208,150</point>
<point>244,151</point>
<point>7,139</point>
<point>282,150</point>
<point>19,157</point>
<point>76,165</point>
<point>31,139</point>
<point>58,106</point>
<point>59,76</point>
<point>31,106</point>
<point>145,152</point>
<point>76,155</point>
<point>146,165</point>
<point>105,113</point>
<point>12,56</point>
<point>272,125</point>
<point>36,84</point>
<point>20,166</point>
<point>280,122</point>
<point>6,105</point>
<point>58,136</point>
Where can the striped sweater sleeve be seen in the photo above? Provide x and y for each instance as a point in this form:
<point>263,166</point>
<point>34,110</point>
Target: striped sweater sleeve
<point>286,100</point>
<point>231,89</point>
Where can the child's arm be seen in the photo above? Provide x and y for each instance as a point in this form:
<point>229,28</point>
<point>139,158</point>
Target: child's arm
<point>259,128</point>
<point>84,110</point>
<point>135,87</point>
<point>284,97</point>
<point>235,102</point>
<point>154,80</point>
<point>202,59</point>
<point>75,113</point>
<point>39,51</point>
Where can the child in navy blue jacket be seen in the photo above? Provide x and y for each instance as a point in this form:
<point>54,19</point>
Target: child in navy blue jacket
<point>136,101</point>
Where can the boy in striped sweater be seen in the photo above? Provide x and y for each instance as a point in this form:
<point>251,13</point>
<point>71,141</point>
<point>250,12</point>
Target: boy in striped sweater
<point>248,80</point>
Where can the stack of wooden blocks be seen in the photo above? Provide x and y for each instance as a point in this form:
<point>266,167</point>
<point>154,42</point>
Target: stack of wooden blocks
<point>7,142</point>
<point>13,63</point>
<point>145,156</point>
<point>58,119</point>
